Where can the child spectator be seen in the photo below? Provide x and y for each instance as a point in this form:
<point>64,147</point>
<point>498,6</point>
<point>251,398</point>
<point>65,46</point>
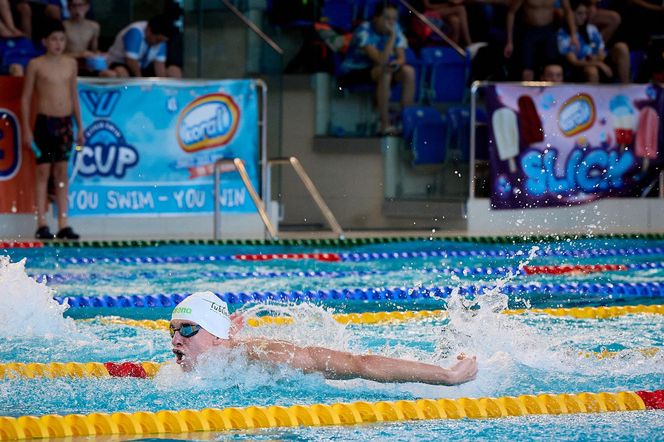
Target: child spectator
<point>552,72</point>
<point>140,49</point>
<point>82,35</point>
<point>376,54</point>
<point>52,77</point>
<point>7,27</point>
<point>536,37</point>
<point>587,62</point>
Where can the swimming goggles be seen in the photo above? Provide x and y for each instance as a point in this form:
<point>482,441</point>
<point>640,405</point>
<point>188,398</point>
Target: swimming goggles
<point>186,330</point>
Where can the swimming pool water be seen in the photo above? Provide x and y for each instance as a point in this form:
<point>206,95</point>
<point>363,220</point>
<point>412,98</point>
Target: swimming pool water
<point>520,354</point>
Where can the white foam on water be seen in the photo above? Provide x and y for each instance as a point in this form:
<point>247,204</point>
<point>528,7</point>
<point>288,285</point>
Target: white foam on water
<point>27,308</point>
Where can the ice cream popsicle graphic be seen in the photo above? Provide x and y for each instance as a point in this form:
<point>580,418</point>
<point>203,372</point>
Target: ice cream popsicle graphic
<point>530,125</point>
<point>645,145</point>
<point>506,133</point>
<point>623,120</point>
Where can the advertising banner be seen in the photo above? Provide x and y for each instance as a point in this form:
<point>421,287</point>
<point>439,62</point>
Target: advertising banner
<point>17,165</point>
<point>569,144</point>
<point>149,148</point>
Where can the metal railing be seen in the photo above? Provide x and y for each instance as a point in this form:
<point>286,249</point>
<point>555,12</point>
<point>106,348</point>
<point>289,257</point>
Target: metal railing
<point>435,29</point>
<point>254,27</point>
<point>311,188</point>
<point>258,202</point>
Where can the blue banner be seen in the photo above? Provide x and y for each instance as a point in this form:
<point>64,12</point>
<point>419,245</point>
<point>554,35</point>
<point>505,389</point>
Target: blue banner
<point>150,148</point>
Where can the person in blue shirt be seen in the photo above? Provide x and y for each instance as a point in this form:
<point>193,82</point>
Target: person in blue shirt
<point>587,60</point>
<point>139,50</point>
<point>377,54</point>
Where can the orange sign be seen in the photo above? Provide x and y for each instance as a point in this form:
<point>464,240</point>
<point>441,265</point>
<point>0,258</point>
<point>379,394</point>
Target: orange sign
<point>17,164</point>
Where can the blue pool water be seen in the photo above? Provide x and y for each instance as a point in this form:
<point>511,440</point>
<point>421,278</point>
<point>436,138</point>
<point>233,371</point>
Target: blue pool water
<point>522,354</point>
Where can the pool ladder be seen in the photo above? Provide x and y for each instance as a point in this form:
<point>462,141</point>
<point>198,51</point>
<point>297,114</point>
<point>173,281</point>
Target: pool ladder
<point>259,203</point>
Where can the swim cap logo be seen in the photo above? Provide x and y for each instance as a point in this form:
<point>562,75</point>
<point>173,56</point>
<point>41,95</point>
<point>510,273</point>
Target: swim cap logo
<point>219,308</point>
<point>207,122</point>
<point>576,114</point>
<point>182,310</point>
<point>10,145</point>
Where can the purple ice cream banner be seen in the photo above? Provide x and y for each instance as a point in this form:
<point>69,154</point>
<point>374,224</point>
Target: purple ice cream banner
<point>571,144</point>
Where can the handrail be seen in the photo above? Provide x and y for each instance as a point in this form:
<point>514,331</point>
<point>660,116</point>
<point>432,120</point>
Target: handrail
<point>311,188</point>
<point>258,202</point>
<point>423,18</point>
<point>251,25</point>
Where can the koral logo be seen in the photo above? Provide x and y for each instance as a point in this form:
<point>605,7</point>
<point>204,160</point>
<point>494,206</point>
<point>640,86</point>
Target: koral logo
<point>101,104</point>
<point>207,122</point>
<point>10,145</point>
<point>576,114</point>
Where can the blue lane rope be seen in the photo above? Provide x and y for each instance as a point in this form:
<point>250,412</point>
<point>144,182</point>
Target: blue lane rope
<point>374,256</point>
<point>63,278</point>
<point>614,290</point>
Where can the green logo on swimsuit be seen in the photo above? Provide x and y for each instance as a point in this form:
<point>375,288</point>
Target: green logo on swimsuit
<point>182,310</point>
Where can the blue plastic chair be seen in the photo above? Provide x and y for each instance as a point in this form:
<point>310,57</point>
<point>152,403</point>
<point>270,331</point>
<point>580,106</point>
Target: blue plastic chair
<point>16,51</point>
<point>425,134</point>
<point>339,14</point>
<point>445,74</point>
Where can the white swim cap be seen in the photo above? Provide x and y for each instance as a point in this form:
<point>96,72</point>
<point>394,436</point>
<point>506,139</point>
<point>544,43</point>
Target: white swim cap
<point>206,310</point>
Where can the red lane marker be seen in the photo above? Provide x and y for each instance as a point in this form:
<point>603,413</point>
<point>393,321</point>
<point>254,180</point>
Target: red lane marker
<point>652,399</point>
<point>559,270</point>
<point>125,370</point>
<point>328,257</point>
<point>21,244</point>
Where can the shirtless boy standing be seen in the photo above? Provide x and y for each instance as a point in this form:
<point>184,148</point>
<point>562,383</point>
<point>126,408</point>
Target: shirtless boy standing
<point>537,36</point>
<point>53,77</point>
<point>82,34</point>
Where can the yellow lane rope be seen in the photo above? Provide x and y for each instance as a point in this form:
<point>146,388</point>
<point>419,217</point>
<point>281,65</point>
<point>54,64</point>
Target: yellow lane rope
<point>399,316</point>
<point>148,369</point>
<point>246,418</point>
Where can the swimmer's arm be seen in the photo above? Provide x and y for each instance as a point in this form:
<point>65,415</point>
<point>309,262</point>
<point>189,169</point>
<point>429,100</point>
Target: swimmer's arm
<point>342,365</point>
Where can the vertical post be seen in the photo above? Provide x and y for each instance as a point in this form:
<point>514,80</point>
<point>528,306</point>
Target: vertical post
<point>661,184</point>
<point>473,122</point>
<point>322,88</point>
<point>216,227</point>
<point>262,125</point>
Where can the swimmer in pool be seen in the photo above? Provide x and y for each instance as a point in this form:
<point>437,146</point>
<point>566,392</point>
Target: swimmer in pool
<point>201,322</point>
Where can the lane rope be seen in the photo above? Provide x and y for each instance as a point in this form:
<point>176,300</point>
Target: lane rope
<point>351,242</point>
<point>149,369</point>
<point>375,256</point>
<point>65,278</point>
<point>367,318</point>
<point>617,290</point>
<point>247,418</point>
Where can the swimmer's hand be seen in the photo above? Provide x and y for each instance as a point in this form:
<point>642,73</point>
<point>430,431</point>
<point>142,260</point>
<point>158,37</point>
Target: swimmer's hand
<point>465,370</point>
<point>237,323</point>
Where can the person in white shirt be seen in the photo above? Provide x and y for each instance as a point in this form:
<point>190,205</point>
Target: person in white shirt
<point>139,50</point>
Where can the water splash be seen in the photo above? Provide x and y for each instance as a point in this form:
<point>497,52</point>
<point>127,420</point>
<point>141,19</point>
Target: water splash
<point>312,325</point>
<point>27,308</point>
